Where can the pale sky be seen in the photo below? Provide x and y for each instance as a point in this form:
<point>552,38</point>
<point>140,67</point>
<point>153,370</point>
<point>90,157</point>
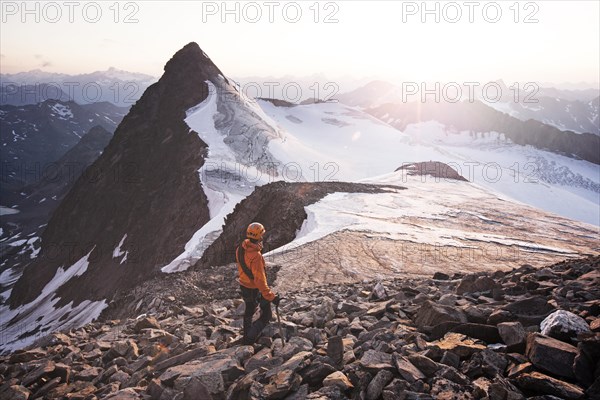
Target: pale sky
<point>386,39</point>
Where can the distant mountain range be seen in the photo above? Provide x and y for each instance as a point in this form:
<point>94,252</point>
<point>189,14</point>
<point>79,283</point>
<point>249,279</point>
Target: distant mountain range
<point>573,110</point>
<point>119,87</point>
<point>34,136</point>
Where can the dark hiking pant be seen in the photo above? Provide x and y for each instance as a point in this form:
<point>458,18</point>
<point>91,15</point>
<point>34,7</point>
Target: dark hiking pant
<point>252,299</point>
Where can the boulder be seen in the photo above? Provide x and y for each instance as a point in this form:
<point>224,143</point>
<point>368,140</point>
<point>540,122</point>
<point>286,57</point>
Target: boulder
<point>88,374</point>
<point>37,374</point>
<point>485,363</point>
<point>263,359</point>
<point>295,364</point>
<point>474,283</point>
<point>376,360</point>
<point>458,344</point>
<point>376,386</point>
<point>551,355</point>
<point>16,392</point>
<point>338,379</point>
<point>431,314</point>
<point>379,291</point>
<point>512,333</point>
<point>406,369</point>
<point>195,389</point>
<point>335,350</point>
<point>587,359</point>
<point>323,314</point>
<point>215,371</point>
<point>316,372</point>
<point>564,325</point>
<point>543,384</point>
<point>502,389</point>
<point>440,276</point>
<point>530,311</point>
<point>124,394</point>
<point>146,323</point>
<point>487,333</point>
<point>281,384</point>
<point>424,364</point>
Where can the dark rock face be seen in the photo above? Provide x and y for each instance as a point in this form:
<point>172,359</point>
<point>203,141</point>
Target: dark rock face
<point>147,188</point>
<point>433,168</point>
<point>283,204</point>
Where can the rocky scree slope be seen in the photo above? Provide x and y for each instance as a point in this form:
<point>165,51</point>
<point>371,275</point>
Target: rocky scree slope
<point>528,333</point>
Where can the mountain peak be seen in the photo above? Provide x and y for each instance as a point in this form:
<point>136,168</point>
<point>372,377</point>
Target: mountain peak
<point>191,57</point>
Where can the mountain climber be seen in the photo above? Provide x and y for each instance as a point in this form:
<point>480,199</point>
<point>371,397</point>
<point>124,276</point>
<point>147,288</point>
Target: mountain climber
<point>253,282</point>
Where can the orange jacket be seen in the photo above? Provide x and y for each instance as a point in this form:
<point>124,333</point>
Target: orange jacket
<point>256,263</point>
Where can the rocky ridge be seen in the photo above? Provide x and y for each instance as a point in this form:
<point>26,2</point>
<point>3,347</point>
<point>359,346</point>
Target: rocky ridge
<point>471,336</point>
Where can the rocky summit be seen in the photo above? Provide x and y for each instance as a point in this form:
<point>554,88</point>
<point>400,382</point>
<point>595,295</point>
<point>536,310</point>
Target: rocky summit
<point>444,337</point>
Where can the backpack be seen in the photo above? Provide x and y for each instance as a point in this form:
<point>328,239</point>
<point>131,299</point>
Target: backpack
<point>241,256</point>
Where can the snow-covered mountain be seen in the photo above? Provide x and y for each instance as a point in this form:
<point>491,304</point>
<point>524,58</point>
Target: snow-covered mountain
<point>361,146</point>
<point>116,86</point>
<point>177,186</point>
<point>35,136</point>
<point>20,231</point>
<point>568,115</point>
<point>567,110</point>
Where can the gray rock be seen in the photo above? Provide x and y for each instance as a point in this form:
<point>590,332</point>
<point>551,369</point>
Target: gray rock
<point>512,333</point>
<point>379,291</point>
<point>564,325</point>
<point>323,314</point>
<point>376,386</point>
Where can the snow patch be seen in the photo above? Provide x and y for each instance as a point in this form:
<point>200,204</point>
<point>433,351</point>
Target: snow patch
<point>40,317</point>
